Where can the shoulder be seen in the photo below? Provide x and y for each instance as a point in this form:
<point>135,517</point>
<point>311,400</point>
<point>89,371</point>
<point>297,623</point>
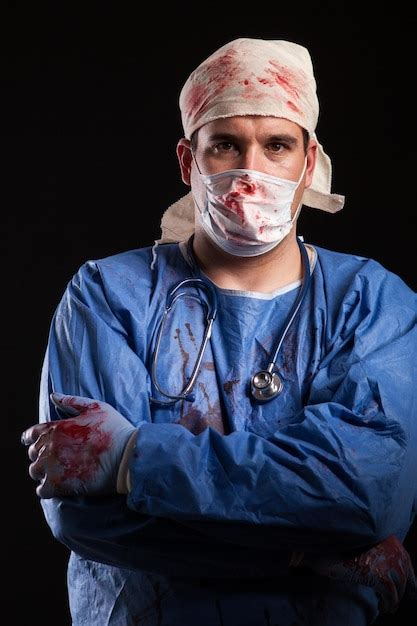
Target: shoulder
<point>121,281</point>
<point>349,272</point>
<point>130,261</point>
<point>130,266</point>
<point>361,296</point>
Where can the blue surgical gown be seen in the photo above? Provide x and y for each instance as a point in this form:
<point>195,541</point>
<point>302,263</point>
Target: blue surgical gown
<point>224,489</point>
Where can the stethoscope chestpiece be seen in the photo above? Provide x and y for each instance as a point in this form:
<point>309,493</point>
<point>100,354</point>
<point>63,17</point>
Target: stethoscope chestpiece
<point>265,386</point>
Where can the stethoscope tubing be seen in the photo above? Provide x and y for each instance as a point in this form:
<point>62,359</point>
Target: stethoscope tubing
<point>265,384</point>
<point>211,312</point>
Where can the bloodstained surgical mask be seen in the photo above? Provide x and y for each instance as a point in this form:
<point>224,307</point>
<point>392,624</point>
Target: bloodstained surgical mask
<point>246,212</point>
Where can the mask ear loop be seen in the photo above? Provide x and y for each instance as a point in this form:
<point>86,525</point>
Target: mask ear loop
<point>195,161</point>
<point>201,174</point>
<point>297,212</point>
<point>303,172</point>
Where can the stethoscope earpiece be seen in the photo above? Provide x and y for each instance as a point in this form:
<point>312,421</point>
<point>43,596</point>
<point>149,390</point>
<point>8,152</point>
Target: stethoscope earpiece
<point>265,386</point>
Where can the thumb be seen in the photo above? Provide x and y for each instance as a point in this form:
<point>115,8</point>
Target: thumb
<point>72,405</point>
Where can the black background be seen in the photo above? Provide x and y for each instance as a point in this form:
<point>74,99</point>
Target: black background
<point>89,128</point>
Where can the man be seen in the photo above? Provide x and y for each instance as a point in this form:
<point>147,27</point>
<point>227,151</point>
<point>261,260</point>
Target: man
<point>228,425</point>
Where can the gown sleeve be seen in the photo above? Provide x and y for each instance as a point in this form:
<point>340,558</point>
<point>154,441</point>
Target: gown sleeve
<point>342,473</point>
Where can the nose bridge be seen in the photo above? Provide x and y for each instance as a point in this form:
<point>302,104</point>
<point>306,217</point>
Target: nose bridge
<point>250,156</point>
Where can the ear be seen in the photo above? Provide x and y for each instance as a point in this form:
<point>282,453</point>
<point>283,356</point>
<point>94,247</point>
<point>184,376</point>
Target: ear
<point>311,161</point>
<point>185,159</point>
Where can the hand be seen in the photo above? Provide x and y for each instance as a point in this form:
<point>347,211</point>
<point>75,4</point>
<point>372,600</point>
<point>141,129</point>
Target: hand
<point>80,454</point>
<point>386,567</point>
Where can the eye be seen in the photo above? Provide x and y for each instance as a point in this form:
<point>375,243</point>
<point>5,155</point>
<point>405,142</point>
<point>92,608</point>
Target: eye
<point>276,147</point>
<point>222,147</point>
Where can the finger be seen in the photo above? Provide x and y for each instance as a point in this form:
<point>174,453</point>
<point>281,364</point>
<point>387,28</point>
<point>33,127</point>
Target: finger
<point>46,489</point>
<point>73,405</point>
<point>65,404</point>
<point>41,441</point>
<point>37,469</point>
<point>42,490</point>
<point>30,435</point>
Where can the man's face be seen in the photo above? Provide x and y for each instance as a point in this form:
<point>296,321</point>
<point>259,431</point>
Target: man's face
<point>270,145</point>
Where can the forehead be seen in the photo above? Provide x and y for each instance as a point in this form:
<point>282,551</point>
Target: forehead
<point>248,126</point>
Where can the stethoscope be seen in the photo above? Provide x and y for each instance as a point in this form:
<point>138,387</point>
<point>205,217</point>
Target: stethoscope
<point>266,384</point>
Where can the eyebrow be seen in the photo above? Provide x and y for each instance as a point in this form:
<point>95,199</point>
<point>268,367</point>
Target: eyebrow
<point>276,138</point>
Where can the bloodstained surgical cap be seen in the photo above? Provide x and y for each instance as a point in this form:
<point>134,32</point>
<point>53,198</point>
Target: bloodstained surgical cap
<point>254,77</point>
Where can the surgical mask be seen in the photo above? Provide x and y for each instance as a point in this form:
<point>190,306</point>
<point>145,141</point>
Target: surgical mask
<point>246,212</point>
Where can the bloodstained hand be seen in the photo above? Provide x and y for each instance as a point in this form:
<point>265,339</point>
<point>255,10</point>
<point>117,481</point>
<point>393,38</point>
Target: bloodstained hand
<point>386,567</point>
<point>80,454</point>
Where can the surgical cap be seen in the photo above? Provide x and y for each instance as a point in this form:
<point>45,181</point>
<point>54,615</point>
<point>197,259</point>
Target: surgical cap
<point>257,77</point>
